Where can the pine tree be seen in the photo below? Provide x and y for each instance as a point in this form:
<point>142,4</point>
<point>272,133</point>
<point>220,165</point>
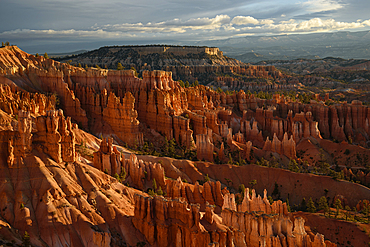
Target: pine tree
<point>160,191</point>
<point>2,44</point>
<point>37,55</point>
<point>311,206</point>
<point>26,242</point>
<point>206,178</point>
<point>323,204</point>
<point>348,211</point>
<point>151,193</point>
<point>253,183</point>
<point>116,176</point>
<point>271,201</point>
<point>287,205</point>
<point>119,66</point>
<point>46,55</point>
<point>242,191</point>
<point>154,184</point>
<point>337,205</point>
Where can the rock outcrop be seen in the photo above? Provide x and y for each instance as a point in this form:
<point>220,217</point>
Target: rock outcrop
<point>166,222</point>
<point>55,137</point>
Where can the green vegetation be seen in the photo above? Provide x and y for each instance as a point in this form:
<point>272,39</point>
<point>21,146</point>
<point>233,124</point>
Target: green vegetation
<point>323,204</point>
<point>119,66</point>
<point>26,242</point>
<point>311,206</point>
<point>46,55</point>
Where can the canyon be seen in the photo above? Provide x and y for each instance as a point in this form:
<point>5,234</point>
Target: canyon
<point>102,157</point>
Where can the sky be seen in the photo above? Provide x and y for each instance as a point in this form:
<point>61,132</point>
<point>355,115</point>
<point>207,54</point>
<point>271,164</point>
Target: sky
<point>69,25</point>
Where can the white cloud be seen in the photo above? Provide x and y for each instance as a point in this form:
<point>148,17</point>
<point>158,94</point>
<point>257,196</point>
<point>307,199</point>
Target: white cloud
<point>244,20</point>
<point>322,5</point>
<point>195,29</point>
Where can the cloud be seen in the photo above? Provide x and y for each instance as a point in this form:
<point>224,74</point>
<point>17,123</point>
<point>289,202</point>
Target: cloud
<point>322,5</point>
<point>244,20</point>
<point>191,29</point>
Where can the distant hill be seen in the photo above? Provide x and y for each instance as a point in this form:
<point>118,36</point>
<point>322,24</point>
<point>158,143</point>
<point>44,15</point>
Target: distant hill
<point>65,54</point>
<point>318,45</point>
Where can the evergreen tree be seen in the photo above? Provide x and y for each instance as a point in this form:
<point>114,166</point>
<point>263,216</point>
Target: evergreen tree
<point>116,176</point>
<point>187,84</point>
<point>123,174</point>
<point>271,201</point>
<point>79,65</point>
<point>119,66</point>
<point>171,147</point>
<point>7,43</point>
<point>311,206</point>
<point>348,211</point>
<point>135,72</point>
<point>160,191</point>
<point>26,242</point>
<point>323,204</point>
<point>288,205</point>
<point>2,44</point>
<point>253,183</point>
<point>337,205</point>
<point>206,178</point>
<point>37,55</point>
<point>154,184</point>
<point>242,191</point>
<point>182,84</point>
<point>151,193</point>
<point>46,55</point>
<point>230,159</point>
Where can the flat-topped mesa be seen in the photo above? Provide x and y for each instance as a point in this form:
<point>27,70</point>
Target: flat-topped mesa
<point>175,50</point>
<point>55,136</point>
